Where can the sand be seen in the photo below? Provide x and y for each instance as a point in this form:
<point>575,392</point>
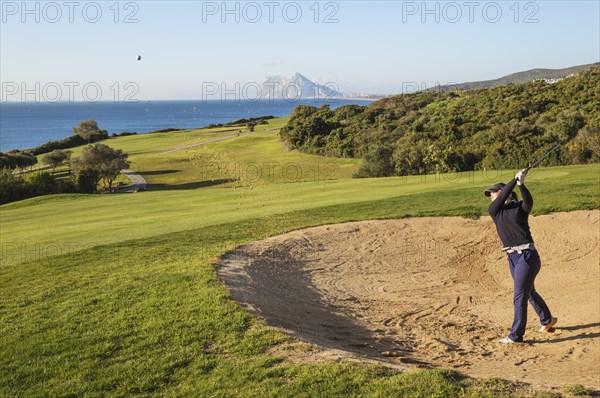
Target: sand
<point>429,292</point>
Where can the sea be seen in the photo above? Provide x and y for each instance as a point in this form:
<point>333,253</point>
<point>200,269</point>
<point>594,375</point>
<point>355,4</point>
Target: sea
<point>25,125</point>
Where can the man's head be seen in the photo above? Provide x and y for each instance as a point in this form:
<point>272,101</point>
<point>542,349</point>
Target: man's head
<point>495,194</point>
<point>494,191</point>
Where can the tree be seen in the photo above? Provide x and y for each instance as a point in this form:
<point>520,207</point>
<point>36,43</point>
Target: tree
<point>55,158</point>
<point>100,162</point>
<point>7,161</point>
<point>23,159</point>
<point>15,187</point>
<point>409,156</point>
<point>86,180</point>
<point>377,163</point>
<point>585,148</point>
<point>12,186</point>
<point>250,126</point>
<point>42,183</point>
<point>89,131</point>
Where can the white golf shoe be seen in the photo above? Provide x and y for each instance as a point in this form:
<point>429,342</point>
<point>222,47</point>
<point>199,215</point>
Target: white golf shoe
<point>546,328</point>
<point>508,340</point>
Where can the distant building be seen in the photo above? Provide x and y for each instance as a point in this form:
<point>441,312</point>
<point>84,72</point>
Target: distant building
<point>554,80</point>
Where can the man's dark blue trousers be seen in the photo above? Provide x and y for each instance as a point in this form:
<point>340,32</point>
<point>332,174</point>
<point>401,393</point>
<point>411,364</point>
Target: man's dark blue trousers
<point>524,267</point>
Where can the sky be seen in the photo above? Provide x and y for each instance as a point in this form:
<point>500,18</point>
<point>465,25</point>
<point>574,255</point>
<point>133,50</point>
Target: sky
<point>82,50</point>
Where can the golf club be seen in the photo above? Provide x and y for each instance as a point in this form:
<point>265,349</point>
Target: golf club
<point>542,158</point>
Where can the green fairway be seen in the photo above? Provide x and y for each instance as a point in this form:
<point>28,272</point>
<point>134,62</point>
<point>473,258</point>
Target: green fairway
<point>81,221</point>
<point>117,295</point>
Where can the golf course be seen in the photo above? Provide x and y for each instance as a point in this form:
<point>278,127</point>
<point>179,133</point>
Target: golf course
<point>246,269</point>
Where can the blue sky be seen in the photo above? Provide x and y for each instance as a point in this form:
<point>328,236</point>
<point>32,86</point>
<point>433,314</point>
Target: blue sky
<point>374,47</point>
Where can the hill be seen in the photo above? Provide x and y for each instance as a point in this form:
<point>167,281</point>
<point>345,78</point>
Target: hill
<point>297,86</point>
<point>428,132</point>
<point>518,78</point>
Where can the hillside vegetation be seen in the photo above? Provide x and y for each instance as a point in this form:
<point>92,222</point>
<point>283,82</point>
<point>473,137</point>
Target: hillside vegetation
<point>438,132</point>
<point>517,78</point>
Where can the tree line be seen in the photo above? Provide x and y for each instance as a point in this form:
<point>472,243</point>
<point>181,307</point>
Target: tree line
<point>429,132</point>
<point>95,170</point>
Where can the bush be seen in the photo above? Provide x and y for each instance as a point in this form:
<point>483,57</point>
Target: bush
<point>123,134</point>
<point>242,122</point>
<point>501,127</point>
<point>12,187</point>
<point>69,142</point>
<point>17,160</point>
<point>56,157</point>
<point>42,184</point>
<point>378,163</point>
<point>86,181</point>
<point>164,130</point>
<point>585,148</point>
<point>15,187</point>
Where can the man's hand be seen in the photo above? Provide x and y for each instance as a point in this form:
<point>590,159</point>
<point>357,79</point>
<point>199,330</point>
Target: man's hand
<point>521,177</point>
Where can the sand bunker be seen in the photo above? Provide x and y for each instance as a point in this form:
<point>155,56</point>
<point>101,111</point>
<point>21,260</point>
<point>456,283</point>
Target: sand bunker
<point>430,292</point>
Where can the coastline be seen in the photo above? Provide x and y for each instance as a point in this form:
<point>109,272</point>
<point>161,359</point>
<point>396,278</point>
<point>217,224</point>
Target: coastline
<point>26,125</point>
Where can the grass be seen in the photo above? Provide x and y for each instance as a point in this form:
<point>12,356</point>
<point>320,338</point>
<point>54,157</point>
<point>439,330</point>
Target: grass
<point>117,295</point>
<point>79,221</point>
<point>148,316</point>
<point>577,390</point>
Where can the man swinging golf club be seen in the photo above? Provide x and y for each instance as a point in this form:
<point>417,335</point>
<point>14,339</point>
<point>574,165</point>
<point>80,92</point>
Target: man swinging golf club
<point>511,219</point>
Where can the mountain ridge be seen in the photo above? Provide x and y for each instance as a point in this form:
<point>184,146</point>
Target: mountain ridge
<point>550,75</point>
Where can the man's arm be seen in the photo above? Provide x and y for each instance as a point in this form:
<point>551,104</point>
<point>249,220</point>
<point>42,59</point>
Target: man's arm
<point>527,198</point>
<point>499,202</point>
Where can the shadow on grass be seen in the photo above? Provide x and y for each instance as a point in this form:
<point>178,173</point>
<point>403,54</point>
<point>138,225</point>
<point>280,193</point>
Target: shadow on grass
<point>189,185</point>
<point>158,172</point>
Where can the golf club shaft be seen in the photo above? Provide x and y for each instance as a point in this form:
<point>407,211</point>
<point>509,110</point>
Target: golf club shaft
<point>542,158</point>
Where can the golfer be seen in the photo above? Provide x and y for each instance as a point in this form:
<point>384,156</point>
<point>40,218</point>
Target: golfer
<point>511,219</point>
